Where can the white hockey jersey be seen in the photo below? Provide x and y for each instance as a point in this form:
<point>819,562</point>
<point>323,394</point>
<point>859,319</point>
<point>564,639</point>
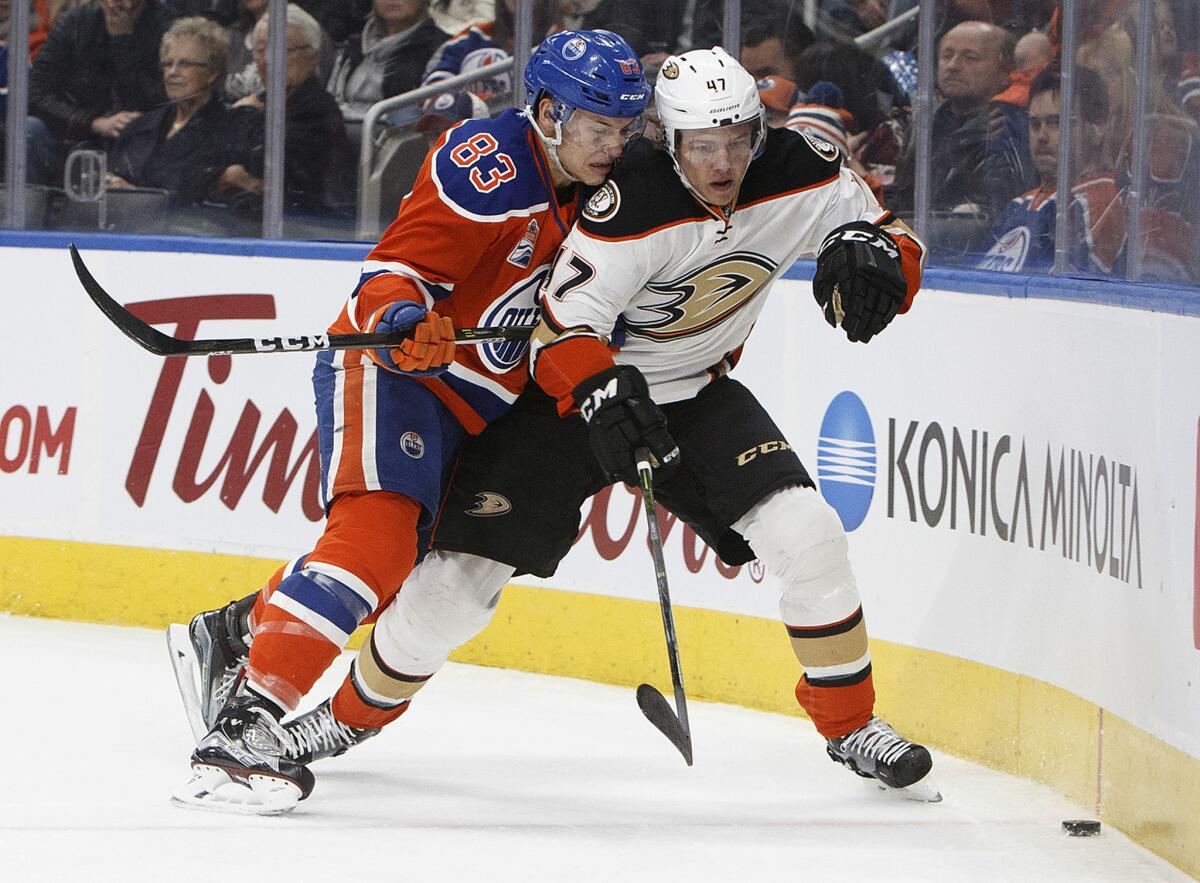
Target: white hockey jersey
<point>675,287</point>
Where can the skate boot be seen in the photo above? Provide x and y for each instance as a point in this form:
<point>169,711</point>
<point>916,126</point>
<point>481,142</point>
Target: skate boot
<point>241,765</point>
<point>876,751</point>
<point>317,734</point>
<point>208,655</point>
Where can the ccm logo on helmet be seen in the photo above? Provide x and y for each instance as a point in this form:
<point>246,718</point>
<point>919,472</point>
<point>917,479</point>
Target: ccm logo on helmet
<point>589,405</point>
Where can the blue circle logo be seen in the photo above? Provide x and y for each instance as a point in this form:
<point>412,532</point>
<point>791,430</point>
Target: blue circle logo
<point>846,459</point>
<point>574,48</point>
<point>413,445</point>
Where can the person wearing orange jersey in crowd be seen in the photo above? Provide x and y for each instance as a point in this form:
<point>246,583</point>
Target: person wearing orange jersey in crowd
<point>469,247</point>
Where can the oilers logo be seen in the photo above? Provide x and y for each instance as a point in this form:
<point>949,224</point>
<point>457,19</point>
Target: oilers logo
<point>413,445</point>
<point>522,254</point>
<point>573,49</point>
<point>515,307</point>
<point>1009,253</point>
<point>846,459</point>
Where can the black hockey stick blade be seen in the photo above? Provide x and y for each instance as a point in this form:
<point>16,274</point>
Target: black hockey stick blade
<point>150,338</point>
<point>660,713</point>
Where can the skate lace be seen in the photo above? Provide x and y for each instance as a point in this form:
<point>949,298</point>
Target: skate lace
<point>316,731</point>
<point>876,740</point>
<point>228,680</point>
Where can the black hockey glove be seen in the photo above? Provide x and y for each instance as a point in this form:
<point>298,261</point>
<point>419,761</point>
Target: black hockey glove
<point>859,282</point>
<point>621,418</point>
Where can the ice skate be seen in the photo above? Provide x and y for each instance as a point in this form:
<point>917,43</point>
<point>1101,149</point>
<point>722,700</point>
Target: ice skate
<point>207,655</point>
<point>876,751</point>
<point>317,734</point>
<point>241,765</point>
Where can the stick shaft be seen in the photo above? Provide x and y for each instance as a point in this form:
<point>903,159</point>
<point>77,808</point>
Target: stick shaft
<point>646,478</point>
<point>161,344</point>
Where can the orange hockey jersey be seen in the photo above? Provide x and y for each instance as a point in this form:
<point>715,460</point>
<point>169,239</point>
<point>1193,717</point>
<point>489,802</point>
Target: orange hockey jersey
<point>473,241</point>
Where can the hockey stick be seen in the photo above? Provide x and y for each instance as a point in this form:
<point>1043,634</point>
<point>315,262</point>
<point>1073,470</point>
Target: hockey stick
<point>656,708</point>
<point>150,338</point>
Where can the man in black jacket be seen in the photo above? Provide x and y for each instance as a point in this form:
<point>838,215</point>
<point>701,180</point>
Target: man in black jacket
<point>99,69</point>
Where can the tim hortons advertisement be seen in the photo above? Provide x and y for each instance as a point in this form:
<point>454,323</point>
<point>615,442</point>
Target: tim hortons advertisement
<point>108,443</point>
<point>1017,476</point>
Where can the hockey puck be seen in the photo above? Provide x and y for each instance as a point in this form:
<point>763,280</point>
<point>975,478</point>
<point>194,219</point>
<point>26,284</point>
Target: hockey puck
<point>1081,827</point>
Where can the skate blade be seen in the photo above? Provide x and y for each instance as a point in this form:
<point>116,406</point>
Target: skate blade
<point>212,789</point>
<point>923,791</point>
<point>187,676</point>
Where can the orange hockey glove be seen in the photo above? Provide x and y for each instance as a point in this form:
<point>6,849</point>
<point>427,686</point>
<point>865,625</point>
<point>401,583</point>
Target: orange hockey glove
<point>430,347</point>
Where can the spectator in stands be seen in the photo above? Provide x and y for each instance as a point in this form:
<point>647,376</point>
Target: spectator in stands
<point>868,88</point>
<point>185,145</point>
<point>455,16</point>
<point>40,149</point>
<point>974,61</point>
<point>315,133</point>
<point>243,79</point>
<point>772,40</point>
<point>447,61</point>
<point>339,19</point>
<point>778,94</point>
<point>99,69</point>
<point>39,24</point>
<point>1170,200</point>
<point>843,20</point>
<point>639,22</point>
<point>448,109</point>
<point>1023,238</point>
<point>387,58</point>
<point>1033,52</point>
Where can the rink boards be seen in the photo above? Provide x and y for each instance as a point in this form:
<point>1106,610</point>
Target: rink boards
<point>1019,475</point>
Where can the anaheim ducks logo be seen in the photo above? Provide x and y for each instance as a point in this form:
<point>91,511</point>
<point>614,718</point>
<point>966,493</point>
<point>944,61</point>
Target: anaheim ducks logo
<point>670,70</point>
<point>488,504</point>
<point>704,297</point>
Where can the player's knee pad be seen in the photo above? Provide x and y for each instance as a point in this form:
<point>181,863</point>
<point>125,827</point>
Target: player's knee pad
<point>800,538</point>
<point>447,600</point>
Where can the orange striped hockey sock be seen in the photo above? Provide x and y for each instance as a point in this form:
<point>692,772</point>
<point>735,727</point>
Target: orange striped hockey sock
<point>373,694</point>
<point>364,555</point>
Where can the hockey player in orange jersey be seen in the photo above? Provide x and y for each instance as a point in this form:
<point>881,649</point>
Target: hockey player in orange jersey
<point>471,244</point>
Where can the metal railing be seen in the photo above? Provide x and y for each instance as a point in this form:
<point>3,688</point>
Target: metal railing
<point>367,226</point>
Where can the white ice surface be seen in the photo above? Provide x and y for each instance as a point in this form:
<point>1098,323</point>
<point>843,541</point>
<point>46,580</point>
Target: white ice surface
<point>495,776</point>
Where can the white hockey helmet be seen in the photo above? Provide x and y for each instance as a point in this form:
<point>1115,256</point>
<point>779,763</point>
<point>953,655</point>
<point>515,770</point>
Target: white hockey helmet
<point>707,89</point>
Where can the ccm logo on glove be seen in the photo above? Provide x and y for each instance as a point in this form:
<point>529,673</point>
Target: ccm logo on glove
<point>621,418</point>
<point>859,283</point>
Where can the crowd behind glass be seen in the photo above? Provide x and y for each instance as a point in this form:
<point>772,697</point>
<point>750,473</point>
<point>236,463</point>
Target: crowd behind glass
<point>150,115</point>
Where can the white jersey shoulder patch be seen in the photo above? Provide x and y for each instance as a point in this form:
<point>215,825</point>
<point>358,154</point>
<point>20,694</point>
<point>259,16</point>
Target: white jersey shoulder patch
<point>823,148</point>
<point>604,204</point>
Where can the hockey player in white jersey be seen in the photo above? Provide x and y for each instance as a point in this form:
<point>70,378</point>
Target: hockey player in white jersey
<point>650,301</point>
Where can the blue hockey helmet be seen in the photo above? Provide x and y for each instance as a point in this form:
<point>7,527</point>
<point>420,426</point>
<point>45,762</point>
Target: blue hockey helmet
<point>587,70</point>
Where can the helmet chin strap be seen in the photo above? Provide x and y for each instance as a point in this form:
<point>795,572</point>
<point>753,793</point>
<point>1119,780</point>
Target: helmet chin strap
<point>557,169</point>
